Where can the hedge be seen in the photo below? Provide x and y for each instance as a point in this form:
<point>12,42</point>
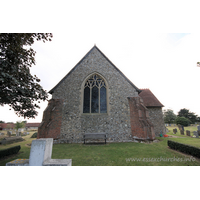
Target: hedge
<point>191,150</point>
<point>9,151</point>
<point>34,135</point>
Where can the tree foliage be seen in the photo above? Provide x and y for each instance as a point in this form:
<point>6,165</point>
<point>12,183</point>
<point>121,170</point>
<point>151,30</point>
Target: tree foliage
<point>19,125</point>
<point>182,121</point>
<point>188,115</point>
<point>18,88</point>
<point>169,116</point>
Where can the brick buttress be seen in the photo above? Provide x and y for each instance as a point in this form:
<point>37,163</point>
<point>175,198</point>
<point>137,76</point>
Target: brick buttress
<point>141,126</point>
<point>52,119</point>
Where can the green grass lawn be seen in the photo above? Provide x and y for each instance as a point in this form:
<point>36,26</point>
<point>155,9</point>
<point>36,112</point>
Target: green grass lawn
<point>24,151</point>
<point>183,138</point>
<point>117,154</point>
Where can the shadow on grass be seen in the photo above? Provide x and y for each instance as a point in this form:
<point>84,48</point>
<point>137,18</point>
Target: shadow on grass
<point>95,143</point>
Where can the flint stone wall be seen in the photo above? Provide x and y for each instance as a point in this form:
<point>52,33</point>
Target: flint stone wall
<point>116,123</point>
<point>156,117</point>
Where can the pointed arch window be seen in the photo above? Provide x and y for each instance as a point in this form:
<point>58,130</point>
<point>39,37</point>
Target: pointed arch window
<point>95,97</point>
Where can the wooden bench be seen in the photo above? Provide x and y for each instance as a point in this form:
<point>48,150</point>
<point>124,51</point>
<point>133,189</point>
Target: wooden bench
<point>92,136</point>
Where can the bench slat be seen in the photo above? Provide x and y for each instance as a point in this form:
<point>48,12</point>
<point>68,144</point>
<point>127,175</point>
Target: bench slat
<point>94,136</point>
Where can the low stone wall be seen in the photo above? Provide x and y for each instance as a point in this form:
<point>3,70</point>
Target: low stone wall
<point>9,140</point>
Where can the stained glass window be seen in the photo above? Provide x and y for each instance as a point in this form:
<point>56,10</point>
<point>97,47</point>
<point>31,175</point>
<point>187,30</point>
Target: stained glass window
<point>94,100</point>
<point>86,106</point>
<point>103,105</point>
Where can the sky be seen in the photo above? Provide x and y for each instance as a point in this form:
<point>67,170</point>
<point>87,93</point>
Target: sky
<point>153,48</point>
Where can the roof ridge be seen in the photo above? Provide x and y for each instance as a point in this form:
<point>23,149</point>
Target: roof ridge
<point>51,91</point>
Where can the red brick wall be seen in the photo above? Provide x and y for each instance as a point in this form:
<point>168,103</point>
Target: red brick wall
<point>141,126</point>
<point>52,119</point>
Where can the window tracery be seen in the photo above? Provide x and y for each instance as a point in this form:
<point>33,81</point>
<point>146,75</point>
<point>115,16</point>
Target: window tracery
<point>95,100</point>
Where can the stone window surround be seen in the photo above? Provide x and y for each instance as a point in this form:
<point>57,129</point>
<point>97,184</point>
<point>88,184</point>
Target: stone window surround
<point>107,95</point>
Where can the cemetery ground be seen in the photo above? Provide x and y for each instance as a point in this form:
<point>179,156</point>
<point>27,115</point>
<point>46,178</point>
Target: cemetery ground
<point>117,154</point>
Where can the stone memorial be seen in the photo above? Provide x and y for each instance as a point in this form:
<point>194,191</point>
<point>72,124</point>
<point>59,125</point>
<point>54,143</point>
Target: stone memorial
<point>10,140</point>
<point>187,133</point>
<point>9,133</point>
<point>180,127</point>
<point>182,132</point>
<point>40,155</point>
<point>174,131</point>
<point>198,132</point>
<point>195,134</point>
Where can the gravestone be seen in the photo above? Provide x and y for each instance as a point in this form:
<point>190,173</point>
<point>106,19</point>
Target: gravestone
<point>10,140</point>
<point>1,133</point>
<point>174,131</point>
<point>195,134</point>
<point>198,128</point>
<point>9,133</point>
<point>40,155</point>
<point>180,127</point>
<point>187,133</point>
<point>182,132</point>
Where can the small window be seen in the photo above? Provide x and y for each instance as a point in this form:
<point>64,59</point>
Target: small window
<point>94,100</point>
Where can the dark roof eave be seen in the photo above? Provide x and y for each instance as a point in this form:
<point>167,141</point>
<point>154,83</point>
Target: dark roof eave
<point>155,106</point>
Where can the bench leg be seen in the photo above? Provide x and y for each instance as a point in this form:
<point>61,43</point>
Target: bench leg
<point>105,141</point>
<point>84,141</point>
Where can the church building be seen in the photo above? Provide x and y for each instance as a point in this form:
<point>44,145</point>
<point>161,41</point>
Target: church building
<point>95,97</point>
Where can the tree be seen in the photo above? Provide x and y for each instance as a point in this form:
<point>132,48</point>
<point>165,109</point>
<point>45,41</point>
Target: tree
<point>188,115</point>
<point>169,116</point>
<point>18,88</point>
<point>19,125</point>
<point>182,121</point>
<point>183,113</point>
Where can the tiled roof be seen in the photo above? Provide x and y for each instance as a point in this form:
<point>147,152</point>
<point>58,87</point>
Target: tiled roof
<point>7,125</point>
<point>32,125</point>
<point>149,99</point>
<point>12,125</point>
